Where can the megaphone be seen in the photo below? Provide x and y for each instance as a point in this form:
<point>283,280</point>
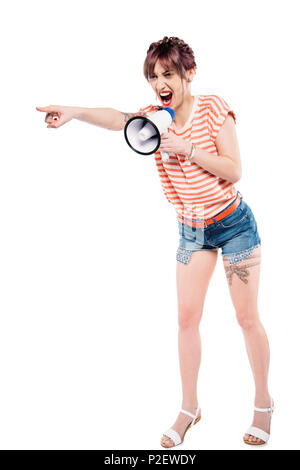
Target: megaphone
<point>142,133</point>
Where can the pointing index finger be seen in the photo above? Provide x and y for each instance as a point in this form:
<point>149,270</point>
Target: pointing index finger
<point>45,109</point>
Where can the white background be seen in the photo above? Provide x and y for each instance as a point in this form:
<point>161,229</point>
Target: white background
<point>88,332</point>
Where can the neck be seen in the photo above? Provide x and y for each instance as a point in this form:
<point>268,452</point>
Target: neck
<point>183,112</point>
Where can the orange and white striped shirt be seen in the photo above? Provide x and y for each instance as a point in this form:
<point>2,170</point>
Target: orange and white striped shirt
<point>196,193</point>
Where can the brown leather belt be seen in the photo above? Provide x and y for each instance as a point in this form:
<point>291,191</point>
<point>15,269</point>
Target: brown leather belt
<point>203,223</point>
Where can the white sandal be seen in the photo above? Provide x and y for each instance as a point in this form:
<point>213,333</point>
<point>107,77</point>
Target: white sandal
<point>257,432</point>
<point>172,434</point>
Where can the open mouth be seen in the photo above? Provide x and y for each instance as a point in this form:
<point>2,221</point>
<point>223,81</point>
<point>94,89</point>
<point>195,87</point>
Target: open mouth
<point>166,97</point>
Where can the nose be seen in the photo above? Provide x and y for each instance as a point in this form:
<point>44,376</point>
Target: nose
<point>160,83</point>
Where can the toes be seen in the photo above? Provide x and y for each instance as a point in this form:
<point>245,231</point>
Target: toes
<point>255,440</point>
<point>166,441</point>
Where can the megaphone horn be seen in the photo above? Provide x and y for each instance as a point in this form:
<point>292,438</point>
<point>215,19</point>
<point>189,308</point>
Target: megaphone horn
<point>142,133</point>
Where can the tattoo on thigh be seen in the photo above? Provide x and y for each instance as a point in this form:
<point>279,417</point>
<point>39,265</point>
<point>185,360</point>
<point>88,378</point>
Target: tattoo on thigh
<point>240,269</point>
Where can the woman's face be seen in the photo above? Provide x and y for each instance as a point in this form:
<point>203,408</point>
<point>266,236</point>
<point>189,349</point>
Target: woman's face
<point>167,84</point>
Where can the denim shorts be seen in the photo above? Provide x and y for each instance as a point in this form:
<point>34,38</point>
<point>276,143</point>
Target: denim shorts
<point>236,235</point>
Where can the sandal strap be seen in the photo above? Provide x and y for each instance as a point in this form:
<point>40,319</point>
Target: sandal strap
<point>172,434</point>
<point>259,433</point>
<point>191,414</point>
<point>188,413</point>
<point>266,410</point>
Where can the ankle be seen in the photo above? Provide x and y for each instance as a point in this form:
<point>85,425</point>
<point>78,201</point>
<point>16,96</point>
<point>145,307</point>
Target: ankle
<point>262,400</point>
<point>190,406</point>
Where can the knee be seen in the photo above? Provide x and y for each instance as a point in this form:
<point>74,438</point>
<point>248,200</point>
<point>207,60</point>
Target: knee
<point>247,318</point>
<point>189,318</point>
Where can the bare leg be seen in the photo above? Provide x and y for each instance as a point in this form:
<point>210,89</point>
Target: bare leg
<point>192,283</point>
<point>243,281</point>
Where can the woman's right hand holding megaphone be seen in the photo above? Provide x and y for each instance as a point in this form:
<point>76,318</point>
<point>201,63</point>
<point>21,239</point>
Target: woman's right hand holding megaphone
<point>57,115</point>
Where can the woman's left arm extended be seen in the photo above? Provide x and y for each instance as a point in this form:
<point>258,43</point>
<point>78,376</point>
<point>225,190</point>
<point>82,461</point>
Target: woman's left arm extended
<point>226,165</point>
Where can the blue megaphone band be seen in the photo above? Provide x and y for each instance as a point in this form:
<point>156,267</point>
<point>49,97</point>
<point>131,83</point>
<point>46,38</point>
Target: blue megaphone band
<point>170,110</point>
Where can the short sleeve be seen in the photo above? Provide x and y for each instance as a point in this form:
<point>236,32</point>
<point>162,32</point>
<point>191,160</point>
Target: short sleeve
<point>217,112</point>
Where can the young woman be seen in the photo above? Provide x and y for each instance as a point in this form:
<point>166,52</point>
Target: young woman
<point>198,179</point>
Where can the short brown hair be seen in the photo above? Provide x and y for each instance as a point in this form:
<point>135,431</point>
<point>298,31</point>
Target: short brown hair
<point>171,51</point>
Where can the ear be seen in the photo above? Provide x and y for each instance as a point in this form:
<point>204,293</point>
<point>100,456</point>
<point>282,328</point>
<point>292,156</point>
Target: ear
<point>191,74</point>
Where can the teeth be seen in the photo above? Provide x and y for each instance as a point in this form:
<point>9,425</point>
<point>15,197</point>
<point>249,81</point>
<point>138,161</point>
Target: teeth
<point>165,93</point>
